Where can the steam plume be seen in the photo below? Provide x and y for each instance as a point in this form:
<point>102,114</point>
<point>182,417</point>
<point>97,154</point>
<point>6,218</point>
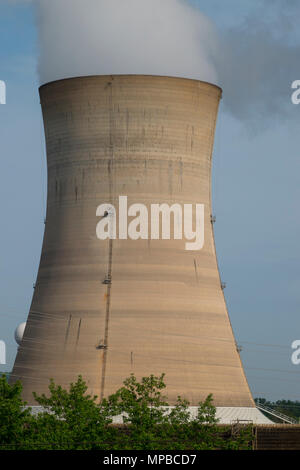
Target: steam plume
<point>157,37</point>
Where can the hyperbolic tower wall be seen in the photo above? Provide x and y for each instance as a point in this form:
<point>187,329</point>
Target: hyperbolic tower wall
<point>105,309</point>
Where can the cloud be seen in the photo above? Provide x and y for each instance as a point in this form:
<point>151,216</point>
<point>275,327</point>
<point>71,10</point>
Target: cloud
<point>258,60</point>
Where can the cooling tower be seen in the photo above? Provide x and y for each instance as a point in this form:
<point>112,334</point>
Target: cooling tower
<point>108,308</point>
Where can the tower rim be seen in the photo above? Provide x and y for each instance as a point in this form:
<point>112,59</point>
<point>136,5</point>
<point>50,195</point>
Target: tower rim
<point>133,75</point>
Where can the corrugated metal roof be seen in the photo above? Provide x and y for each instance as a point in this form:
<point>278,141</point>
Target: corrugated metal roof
<point>226,415</point>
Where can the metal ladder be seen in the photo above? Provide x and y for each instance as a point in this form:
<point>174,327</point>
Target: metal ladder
<point>277,414</point>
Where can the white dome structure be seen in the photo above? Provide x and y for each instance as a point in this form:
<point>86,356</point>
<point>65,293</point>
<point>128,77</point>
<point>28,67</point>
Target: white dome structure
<point>19,332</point>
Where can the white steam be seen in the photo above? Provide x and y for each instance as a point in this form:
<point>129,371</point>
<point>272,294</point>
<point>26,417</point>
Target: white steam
<point>156,37</point>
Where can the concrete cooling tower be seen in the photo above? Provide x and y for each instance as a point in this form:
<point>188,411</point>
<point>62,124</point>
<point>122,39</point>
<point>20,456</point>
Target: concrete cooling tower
<point>108,308</point>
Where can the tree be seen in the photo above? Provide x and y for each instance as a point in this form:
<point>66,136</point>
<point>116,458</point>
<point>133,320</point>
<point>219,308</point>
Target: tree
<point>141,403</point>
<point>71,418</point>
<point>14,417</point>
<point>151,425</point>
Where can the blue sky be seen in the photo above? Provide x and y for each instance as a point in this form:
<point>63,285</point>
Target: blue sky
<point>256,192</point>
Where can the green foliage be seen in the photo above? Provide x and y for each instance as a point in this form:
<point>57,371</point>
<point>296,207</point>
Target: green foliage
<point>141,402</point>
<point>14,418</point>
<point>180,414</point>
<point>72,416</point>
<point>207,412</point>
<point>72,419</point>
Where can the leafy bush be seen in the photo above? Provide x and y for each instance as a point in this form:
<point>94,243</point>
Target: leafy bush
<point>72,419</point>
